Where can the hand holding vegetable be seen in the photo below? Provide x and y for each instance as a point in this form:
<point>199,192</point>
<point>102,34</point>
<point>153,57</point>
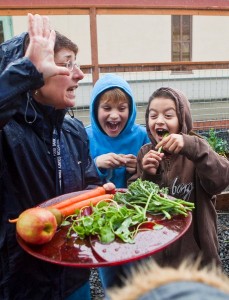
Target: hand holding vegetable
<point>131,163</point>
<point>110,161</point>
<point>151,161</point>
<point>172,143</point>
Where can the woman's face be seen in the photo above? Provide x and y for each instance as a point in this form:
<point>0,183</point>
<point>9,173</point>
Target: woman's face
<point>59,90</point>
<point>162,118</point>
<point>112,117</point>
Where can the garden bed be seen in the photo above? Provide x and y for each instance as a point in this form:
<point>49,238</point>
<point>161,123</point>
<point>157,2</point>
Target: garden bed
<point>222,201</point>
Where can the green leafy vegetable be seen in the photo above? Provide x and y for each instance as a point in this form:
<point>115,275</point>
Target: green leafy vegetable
<point>219,145</point>
<point>107,221</point>
<point>123,216</point>
<point>154,200</point>
<point>164,135</point>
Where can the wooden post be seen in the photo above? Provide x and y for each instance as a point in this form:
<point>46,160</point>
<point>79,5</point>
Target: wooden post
<point>94,45</point>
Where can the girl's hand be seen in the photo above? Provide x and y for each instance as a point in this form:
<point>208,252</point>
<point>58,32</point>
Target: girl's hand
<point>173,143</point>
<point>110,161</point>
<point>151,161</point>
<point>41,46</point>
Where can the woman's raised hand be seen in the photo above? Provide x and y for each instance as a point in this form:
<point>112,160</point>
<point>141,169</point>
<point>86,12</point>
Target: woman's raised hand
<point>41,46</point>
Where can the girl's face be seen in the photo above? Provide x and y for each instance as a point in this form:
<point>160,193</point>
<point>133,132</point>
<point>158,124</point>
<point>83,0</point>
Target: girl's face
<point>162,118</point>
<point>112,117</point>
<point>59,90</point>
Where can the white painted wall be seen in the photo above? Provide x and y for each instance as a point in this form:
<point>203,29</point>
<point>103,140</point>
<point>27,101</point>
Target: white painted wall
<point>134,39</point>
<point>77,28</point>
<point>210,38</point>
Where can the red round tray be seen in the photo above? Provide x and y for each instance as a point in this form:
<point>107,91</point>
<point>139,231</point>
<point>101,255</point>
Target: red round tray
<point>90,252</point>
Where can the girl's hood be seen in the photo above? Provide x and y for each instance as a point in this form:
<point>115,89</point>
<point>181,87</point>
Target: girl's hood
<point>105,83</point>
<point>183,112</point>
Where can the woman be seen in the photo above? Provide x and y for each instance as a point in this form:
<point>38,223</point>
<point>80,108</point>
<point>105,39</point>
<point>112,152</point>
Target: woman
<point>43,154</point>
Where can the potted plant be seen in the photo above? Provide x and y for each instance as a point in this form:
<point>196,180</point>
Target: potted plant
<point>218,144</point>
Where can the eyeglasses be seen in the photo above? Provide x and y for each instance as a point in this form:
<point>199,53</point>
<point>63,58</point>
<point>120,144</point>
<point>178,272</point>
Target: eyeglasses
<point>69,65</point>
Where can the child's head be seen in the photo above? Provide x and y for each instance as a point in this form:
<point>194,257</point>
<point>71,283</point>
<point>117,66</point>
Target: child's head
<point>113,107</point>
<point>168,111</point>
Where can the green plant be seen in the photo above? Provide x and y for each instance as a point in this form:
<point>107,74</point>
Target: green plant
<point>218,144</point>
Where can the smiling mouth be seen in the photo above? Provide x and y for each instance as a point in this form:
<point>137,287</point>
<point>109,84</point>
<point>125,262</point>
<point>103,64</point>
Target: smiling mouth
<point>113,126</point>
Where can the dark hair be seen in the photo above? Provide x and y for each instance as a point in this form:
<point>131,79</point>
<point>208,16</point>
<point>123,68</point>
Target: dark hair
<point>61,42</point>
<point>161,93</point>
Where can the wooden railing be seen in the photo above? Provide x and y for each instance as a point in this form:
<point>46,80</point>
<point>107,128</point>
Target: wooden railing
<point>180,66</point>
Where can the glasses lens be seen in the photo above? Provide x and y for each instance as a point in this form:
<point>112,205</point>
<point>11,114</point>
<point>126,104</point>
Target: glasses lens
<point>71,65</point>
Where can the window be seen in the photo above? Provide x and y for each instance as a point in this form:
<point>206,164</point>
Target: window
<point>6,31</point>
<point>181,38</point>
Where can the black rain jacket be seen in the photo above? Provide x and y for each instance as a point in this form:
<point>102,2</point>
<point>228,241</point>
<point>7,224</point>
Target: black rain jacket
<point>29,175</point>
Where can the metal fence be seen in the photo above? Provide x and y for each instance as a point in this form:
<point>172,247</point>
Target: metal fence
<point>207,89</point>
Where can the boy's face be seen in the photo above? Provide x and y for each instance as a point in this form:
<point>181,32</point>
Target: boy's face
<point>162,118</point>
<point>112,117</point>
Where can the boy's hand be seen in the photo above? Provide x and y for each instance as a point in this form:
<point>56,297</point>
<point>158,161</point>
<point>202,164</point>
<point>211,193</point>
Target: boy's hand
<point>173,143</point>
<point>131,163</point>
<point>41,46</point>
<point>151,161</point>
<point>110,161</point>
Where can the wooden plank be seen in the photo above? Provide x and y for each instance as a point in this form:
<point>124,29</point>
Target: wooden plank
<point>222,201</point>
<point>160,66</point>
<point>49,7</point>
<point>203,4</point>
<point>94,45</point>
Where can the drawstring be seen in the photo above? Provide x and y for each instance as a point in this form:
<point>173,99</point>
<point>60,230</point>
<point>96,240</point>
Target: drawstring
<point>71,112</point>
<point>29,102</point>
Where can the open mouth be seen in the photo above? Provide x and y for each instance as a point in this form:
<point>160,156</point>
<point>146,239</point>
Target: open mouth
<point>113,126</point>
<point>161,132</point>
<point>71,91</point>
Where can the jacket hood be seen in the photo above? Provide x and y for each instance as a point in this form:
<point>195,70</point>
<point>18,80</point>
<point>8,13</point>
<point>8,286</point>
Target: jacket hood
<point>182,108</point>
<point>107,82</point>
<point>12,50</point>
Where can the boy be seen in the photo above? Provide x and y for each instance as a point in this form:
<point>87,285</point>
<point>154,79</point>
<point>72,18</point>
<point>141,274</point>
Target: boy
<point>114,137</point>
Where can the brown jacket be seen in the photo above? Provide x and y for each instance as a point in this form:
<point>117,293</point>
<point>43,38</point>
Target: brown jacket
<point>196,174</point>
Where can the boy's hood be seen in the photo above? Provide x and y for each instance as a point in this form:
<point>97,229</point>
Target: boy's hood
<point>105,83</point>
<point>12,50</point>
<point>183,112</point>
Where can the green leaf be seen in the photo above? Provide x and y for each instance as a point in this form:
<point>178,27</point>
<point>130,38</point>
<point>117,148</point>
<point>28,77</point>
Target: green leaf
<point>106,235</point>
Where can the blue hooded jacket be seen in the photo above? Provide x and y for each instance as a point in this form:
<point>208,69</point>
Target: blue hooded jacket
<point>129,141</point>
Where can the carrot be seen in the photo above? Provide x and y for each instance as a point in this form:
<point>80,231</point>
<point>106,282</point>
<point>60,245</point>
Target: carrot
<point>70,209</point>
<point>90,194</point>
